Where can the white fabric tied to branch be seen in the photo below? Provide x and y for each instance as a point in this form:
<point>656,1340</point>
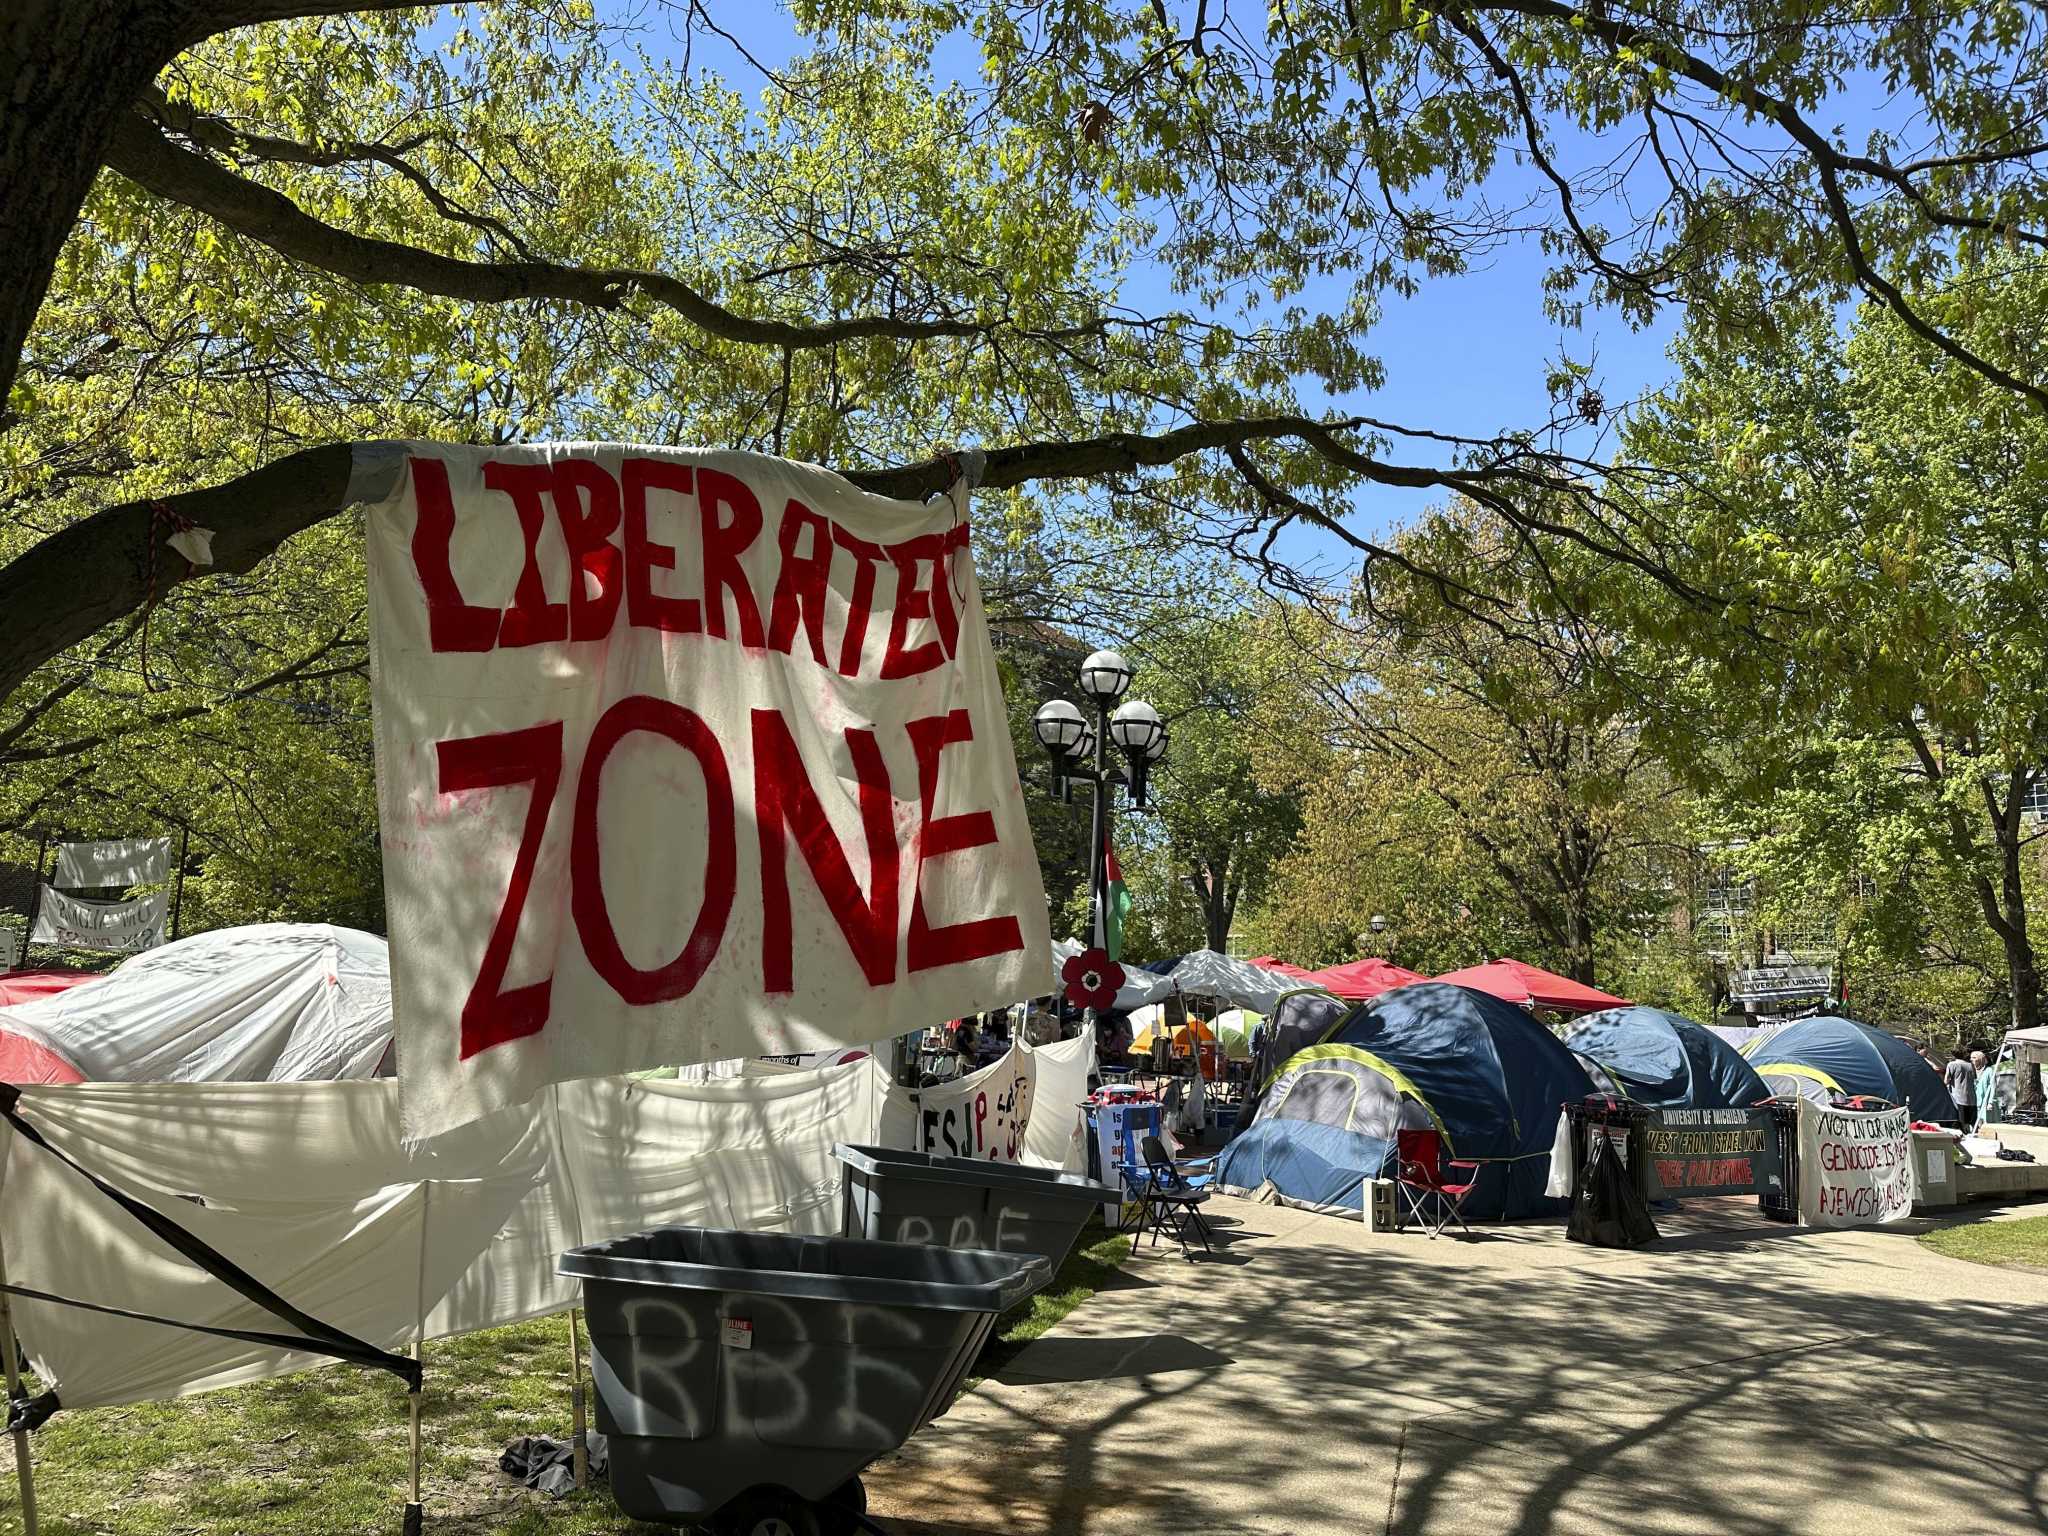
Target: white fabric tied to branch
<point>309,1187</point>
<point>118,862</point>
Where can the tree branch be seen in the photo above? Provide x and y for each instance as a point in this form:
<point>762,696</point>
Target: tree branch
<point>1829,163</point>
<point>142,153</point>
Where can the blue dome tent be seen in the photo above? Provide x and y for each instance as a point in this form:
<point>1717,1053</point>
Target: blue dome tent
<point>1482,1071</point>
<point>1823,1057</point>
<point>1665,1060</point>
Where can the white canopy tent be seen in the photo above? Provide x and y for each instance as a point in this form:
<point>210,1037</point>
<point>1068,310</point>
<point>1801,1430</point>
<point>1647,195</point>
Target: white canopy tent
<point>272,1002</point>
<point>1237,982</point>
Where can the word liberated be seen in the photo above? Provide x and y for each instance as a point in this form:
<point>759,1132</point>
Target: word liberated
<point>621,565</point>
<point>682,756</point>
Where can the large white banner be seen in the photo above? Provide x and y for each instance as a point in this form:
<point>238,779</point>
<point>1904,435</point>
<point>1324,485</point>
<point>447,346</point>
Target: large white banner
<point>681,755</point>
<point>984,1115</point>
<point>117,927</point>
<point>1854,1169</point>
<point>119,862</point>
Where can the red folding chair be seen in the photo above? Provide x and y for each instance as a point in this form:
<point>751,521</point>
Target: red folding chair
<point>1426,1194</point>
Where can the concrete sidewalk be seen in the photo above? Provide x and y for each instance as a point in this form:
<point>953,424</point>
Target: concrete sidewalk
<point>1317,1377</point>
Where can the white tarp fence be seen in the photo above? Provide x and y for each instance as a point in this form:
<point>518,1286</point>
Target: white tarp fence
<point>1854,1169</point>
<point>118,862</point>
<point>311,1188</point>
<point>112,927</point>
<point>270,1002</point>
<point>681,755</point>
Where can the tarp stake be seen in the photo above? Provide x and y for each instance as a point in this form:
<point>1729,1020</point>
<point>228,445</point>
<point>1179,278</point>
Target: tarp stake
<point>413,1519</point>
<point>24,1470</point>
<point>580,1454</point>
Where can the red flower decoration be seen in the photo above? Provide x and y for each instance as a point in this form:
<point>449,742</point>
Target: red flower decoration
<point>1092,979</point>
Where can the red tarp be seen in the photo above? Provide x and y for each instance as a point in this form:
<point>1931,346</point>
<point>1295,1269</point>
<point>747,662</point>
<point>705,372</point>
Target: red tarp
<point>1363,978</point>
<point>27,1061</point>
<point>1522,985</point>
<point>1268,963</point>
<point>26,986</point>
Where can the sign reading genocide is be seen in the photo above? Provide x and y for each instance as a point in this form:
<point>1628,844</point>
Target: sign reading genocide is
<point>1854,1169</point>
<point>1715,1151</point>
<point>681,755</point>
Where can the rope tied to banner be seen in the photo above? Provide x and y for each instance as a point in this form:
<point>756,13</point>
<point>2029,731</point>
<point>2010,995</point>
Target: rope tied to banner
<point>313,1336</point>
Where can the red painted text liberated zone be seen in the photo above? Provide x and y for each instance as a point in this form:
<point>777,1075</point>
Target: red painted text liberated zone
<point>615,580</point>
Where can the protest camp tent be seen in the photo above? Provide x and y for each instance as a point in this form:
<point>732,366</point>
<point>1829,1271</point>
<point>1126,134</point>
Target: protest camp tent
<point>1484,1073</point>
<point>272,1002</point>
<point>1270,963</point>
<point>1666,1060</point>
<point>27,1059</point>
<point>1234,1028</point>
<point>1204,973</point>
<point>1530,986</point>
<point>1828,1056</point>
<point>1299,1020</point>
<point>1361,979</point>
<point>17,987</point>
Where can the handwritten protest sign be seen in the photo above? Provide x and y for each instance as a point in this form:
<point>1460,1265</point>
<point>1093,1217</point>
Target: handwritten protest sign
<point>1854,1169</point>
<point>681,755</point>
<point>983,1115</point>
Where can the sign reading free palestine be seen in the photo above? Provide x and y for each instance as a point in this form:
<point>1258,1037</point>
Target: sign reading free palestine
<point>681,755</point>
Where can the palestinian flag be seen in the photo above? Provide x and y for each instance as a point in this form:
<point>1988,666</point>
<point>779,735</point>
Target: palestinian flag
<point>1116,903</point>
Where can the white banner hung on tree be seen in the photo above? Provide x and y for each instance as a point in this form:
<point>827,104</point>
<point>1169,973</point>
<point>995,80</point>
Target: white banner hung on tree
<point>681,755</point>
<point>1854,1169</point>
<point>116,927</point>
<point>118,862</point>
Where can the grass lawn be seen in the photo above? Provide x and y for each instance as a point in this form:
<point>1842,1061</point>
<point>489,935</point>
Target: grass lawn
<point>323,1453</point>
<point>1995,1242</point>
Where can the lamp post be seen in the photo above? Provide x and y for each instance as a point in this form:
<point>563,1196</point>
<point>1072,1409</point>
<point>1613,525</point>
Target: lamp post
<point>1079,749</point>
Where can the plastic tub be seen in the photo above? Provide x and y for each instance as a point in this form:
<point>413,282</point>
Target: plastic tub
<point>964,1202</point>
<point>746,1378</point>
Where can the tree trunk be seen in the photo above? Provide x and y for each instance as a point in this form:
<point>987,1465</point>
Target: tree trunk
<point>2020,963</point>
<point>1579,953</point>
<point>70,69</point>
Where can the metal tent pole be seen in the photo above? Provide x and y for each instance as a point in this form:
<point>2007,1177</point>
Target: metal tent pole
<point>24,1468</point>
<point>579,1433</point>
<point>35,896</point>
<point>178,899</point>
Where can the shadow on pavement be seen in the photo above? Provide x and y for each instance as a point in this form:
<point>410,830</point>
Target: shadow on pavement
<point>1746,1380</point>
<point>1058,1358</point>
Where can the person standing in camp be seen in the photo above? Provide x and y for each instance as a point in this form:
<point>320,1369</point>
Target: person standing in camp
<point>1961,1078</point>
<point>1987,1086</point>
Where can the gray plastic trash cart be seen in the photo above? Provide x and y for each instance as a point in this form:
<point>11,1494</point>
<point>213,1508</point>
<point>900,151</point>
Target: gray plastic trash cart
<point>746,1378</point>
<point>963,1202</point>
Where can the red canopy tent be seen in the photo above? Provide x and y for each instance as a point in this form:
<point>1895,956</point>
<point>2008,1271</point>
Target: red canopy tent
<point>1364,978</point>
<point>1524,985</point>
<point>1267,962</point>
<point>27,1060</point>
<point>26,986</point>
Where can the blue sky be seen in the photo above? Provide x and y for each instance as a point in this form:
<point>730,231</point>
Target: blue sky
<point>1466,355</point>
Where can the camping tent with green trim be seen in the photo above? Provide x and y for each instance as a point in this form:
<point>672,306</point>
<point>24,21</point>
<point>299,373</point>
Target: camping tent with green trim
<point>1483,1072</point>
<point>1827,1058</point>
